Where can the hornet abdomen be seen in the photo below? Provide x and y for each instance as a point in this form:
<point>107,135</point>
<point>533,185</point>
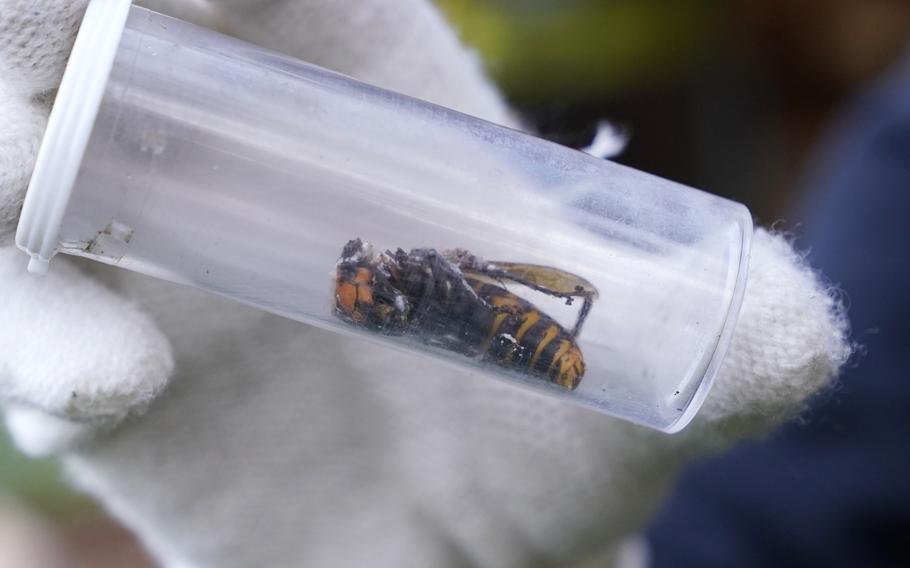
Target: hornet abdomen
<point>520,336</point>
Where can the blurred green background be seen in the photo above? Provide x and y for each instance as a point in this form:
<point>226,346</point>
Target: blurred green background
<point>38,483</point>
<point>728,96</point>
<point>584,50</point>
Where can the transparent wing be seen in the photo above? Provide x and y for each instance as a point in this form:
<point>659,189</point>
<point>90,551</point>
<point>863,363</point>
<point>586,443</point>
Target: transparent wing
<point>545,279</point>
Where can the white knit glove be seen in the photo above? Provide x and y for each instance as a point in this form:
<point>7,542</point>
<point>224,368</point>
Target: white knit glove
<point>280,444</point>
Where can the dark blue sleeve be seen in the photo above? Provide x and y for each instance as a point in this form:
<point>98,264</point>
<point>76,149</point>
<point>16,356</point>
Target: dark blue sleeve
<point>832,489</point>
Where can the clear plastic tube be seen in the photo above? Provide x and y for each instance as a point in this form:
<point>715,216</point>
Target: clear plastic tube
<point>217,164</point>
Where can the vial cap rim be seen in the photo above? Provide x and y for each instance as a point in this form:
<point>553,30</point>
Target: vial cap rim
<point>68,129</point>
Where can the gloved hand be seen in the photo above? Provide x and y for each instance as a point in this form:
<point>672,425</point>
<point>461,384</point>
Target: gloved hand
<point>275,443</point>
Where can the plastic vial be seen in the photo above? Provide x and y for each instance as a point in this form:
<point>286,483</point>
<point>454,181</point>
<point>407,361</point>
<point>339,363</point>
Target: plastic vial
<point>187,155</point>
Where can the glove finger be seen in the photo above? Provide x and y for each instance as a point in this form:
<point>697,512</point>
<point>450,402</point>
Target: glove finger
<point>22,122</point>
<point>38,433</point>
<point>74,349</point>
<point>405,46</point>
<point>35,42</point>
<point>34,46</point>
<point>790,341</point>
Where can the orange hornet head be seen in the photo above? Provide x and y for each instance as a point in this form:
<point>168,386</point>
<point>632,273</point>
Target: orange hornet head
<point>354,282</point>
<point>354,292</point>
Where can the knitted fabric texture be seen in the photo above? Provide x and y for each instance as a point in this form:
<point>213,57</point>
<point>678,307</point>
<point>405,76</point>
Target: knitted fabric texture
<point>275,443</point>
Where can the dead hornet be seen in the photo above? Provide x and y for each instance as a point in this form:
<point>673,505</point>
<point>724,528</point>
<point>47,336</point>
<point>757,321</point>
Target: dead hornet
<point>459,302</point>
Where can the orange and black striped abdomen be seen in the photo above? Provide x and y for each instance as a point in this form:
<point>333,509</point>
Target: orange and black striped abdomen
<point>520,336</point>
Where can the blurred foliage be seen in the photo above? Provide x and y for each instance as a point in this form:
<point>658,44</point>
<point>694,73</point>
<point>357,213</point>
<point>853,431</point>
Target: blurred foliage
<point>38,483</point>
<point>730,96</point>
<point>583,50</point>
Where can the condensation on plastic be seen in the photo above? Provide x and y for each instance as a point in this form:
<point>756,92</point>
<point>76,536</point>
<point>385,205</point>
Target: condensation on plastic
<point>220,165</point>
